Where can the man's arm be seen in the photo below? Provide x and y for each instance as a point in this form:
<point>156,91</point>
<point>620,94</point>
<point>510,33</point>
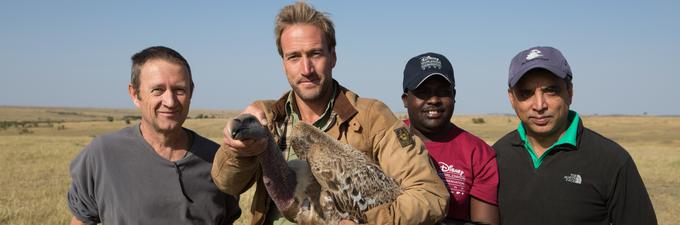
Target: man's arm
<point>81,194</point>
<point>75,221</point>
<point>481,211</point>
<point>424,199</point>
<point>235,167</point>
<point>630,203</point>
<point>484,189</point>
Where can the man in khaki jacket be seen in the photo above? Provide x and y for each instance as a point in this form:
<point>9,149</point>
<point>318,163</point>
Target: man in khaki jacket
<point>306,42</point>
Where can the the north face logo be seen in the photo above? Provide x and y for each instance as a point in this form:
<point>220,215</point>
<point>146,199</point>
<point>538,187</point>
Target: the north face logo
<point>573,178</point>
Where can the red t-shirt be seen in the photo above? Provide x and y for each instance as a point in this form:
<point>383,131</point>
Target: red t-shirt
<point>467,165</point>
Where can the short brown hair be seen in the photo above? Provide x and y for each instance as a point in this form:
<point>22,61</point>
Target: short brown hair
<point>303,13</point>
<point>157,52</point>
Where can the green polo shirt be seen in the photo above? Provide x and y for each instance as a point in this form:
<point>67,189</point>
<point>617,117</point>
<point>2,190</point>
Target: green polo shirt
<point>569,138</point>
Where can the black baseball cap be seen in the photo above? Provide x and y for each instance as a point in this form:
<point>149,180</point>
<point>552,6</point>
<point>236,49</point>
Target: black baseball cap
<point>424,66</point>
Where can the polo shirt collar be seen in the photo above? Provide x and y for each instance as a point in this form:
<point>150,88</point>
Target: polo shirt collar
<point>569,138</point>
<point>325,120</point>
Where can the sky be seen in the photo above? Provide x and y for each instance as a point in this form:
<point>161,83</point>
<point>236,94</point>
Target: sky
<point>77,53</point>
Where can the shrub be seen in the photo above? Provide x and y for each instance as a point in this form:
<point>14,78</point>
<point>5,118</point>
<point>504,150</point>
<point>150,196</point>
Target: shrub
<point>478,120</point>
<point>25,131</point>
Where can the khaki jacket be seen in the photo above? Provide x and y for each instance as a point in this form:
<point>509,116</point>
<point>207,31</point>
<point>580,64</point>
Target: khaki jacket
<point>369,126</point>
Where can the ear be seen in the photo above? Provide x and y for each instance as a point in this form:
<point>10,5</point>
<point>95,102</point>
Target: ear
<point>133,95</point>
<point>333,58</point>
<point>570,92</point>
<point>404,98</point>
<point>511,97</point>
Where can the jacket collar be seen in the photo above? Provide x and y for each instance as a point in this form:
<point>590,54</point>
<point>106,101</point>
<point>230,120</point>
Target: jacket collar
<point>342,106</point>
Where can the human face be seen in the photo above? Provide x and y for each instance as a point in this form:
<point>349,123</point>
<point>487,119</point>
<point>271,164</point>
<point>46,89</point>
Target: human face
<point>308,62</point>
<point>430,106</point>
<point>164,96</point>
<point>541,101</point>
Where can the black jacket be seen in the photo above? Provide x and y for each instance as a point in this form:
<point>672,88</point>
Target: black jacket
<point>595,182</point>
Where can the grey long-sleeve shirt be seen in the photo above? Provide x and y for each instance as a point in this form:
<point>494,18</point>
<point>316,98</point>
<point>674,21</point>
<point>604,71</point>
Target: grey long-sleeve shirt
<point>119,179</point>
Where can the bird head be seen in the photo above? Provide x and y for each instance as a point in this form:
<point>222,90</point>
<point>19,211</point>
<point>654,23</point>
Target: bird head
<point>245,127</point>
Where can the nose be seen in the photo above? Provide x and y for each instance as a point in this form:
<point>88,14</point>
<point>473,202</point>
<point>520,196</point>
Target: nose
<point>539,103</point>
<point>433,99</point>
<point>169,99</point>
<point>307,66</point>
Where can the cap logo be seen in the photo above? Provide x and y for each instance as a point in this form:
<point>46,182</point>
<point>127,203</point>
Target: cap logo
<point>429,61</point>
<point>533,54</point>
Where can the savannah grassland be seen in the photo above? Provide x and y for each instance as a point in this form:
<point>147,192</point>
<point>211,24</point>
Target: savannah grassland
<point>37,144</point>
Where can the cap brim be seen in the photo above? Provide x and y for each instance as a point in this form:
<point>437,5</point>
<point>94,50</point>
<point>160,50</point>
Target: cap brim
<point>518,76</point>
<point>413,87</point>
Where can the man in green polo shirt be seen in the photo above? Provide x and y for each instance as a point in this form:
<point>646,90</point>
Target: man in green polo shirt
<point>553,170</point>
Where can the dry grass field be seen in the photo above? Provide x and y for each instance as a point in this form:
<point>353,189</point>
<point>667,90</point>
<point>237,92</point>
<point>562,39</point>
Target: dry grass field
<point>37,144</point>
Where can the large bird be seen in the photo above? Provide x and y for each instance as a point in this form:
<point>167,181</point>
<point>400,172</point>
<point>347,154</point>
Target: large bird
<point>330,182</point>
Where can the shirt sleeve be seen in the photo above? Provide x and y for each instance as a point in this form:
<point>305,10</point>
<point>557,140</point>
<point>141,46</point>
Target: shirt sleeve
<point>81,195</point>
<point>424,199</point>
<point>233,210</point>
<point>485,174</point>
<point>630,203</point>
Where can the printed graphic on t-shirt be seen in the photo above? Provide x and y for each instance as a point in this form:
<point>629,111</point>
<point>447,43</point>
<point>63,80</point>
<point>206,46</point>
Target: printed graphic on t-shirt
<point>454,178</point>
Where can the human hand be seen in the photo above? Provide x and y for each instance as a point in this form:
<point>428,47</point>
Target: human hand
<point>257,112</point>
<point>245,136</point>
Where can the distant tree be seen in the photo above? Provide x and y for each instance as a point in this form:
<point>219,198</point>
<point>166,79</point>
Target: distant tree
<point>109,118</point>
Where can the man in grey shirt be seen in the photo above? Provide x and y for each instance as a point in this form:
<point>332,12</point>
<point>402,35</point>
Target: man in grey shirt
<point>156,172</point>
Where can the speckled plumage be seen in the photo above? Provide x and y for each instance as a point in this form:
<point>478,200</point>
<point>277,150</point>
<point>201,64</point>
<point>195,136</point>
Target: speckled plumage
<point>330,182</point>
<point>351,181</point>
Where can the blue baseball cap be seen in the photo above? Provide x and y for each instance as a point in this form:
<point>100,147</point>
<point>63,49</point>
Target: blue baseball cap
<point>544,57</point>
<point>424,66</point>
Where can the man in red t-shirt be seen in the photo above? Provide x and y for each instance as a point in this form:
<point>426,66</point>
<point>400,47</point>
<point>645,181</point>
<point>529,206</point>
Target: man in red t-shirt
<point>466,164</point>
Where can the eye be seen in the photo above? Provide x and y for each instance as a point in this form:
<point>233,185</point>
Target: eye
<point>444,92</point>
<point>419,93</point>
<point>293,57</point>
<point>156,91</point>
<point>317,53</point>
<point>553,90</point>
<point>180,91</point>
<point>523,94</point>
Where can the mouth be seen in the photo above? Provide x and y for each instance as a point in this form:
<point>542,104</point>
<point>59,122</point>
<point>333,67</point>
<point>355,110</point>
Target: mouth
<point>433,113</point>
<point>167,113</point>
<point>540,120</point>
<point>309,82</point>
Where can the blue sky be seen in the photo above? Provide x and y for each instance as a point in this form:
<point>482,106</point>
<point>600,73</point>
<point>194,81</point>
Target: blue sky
<point>624,54</point>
